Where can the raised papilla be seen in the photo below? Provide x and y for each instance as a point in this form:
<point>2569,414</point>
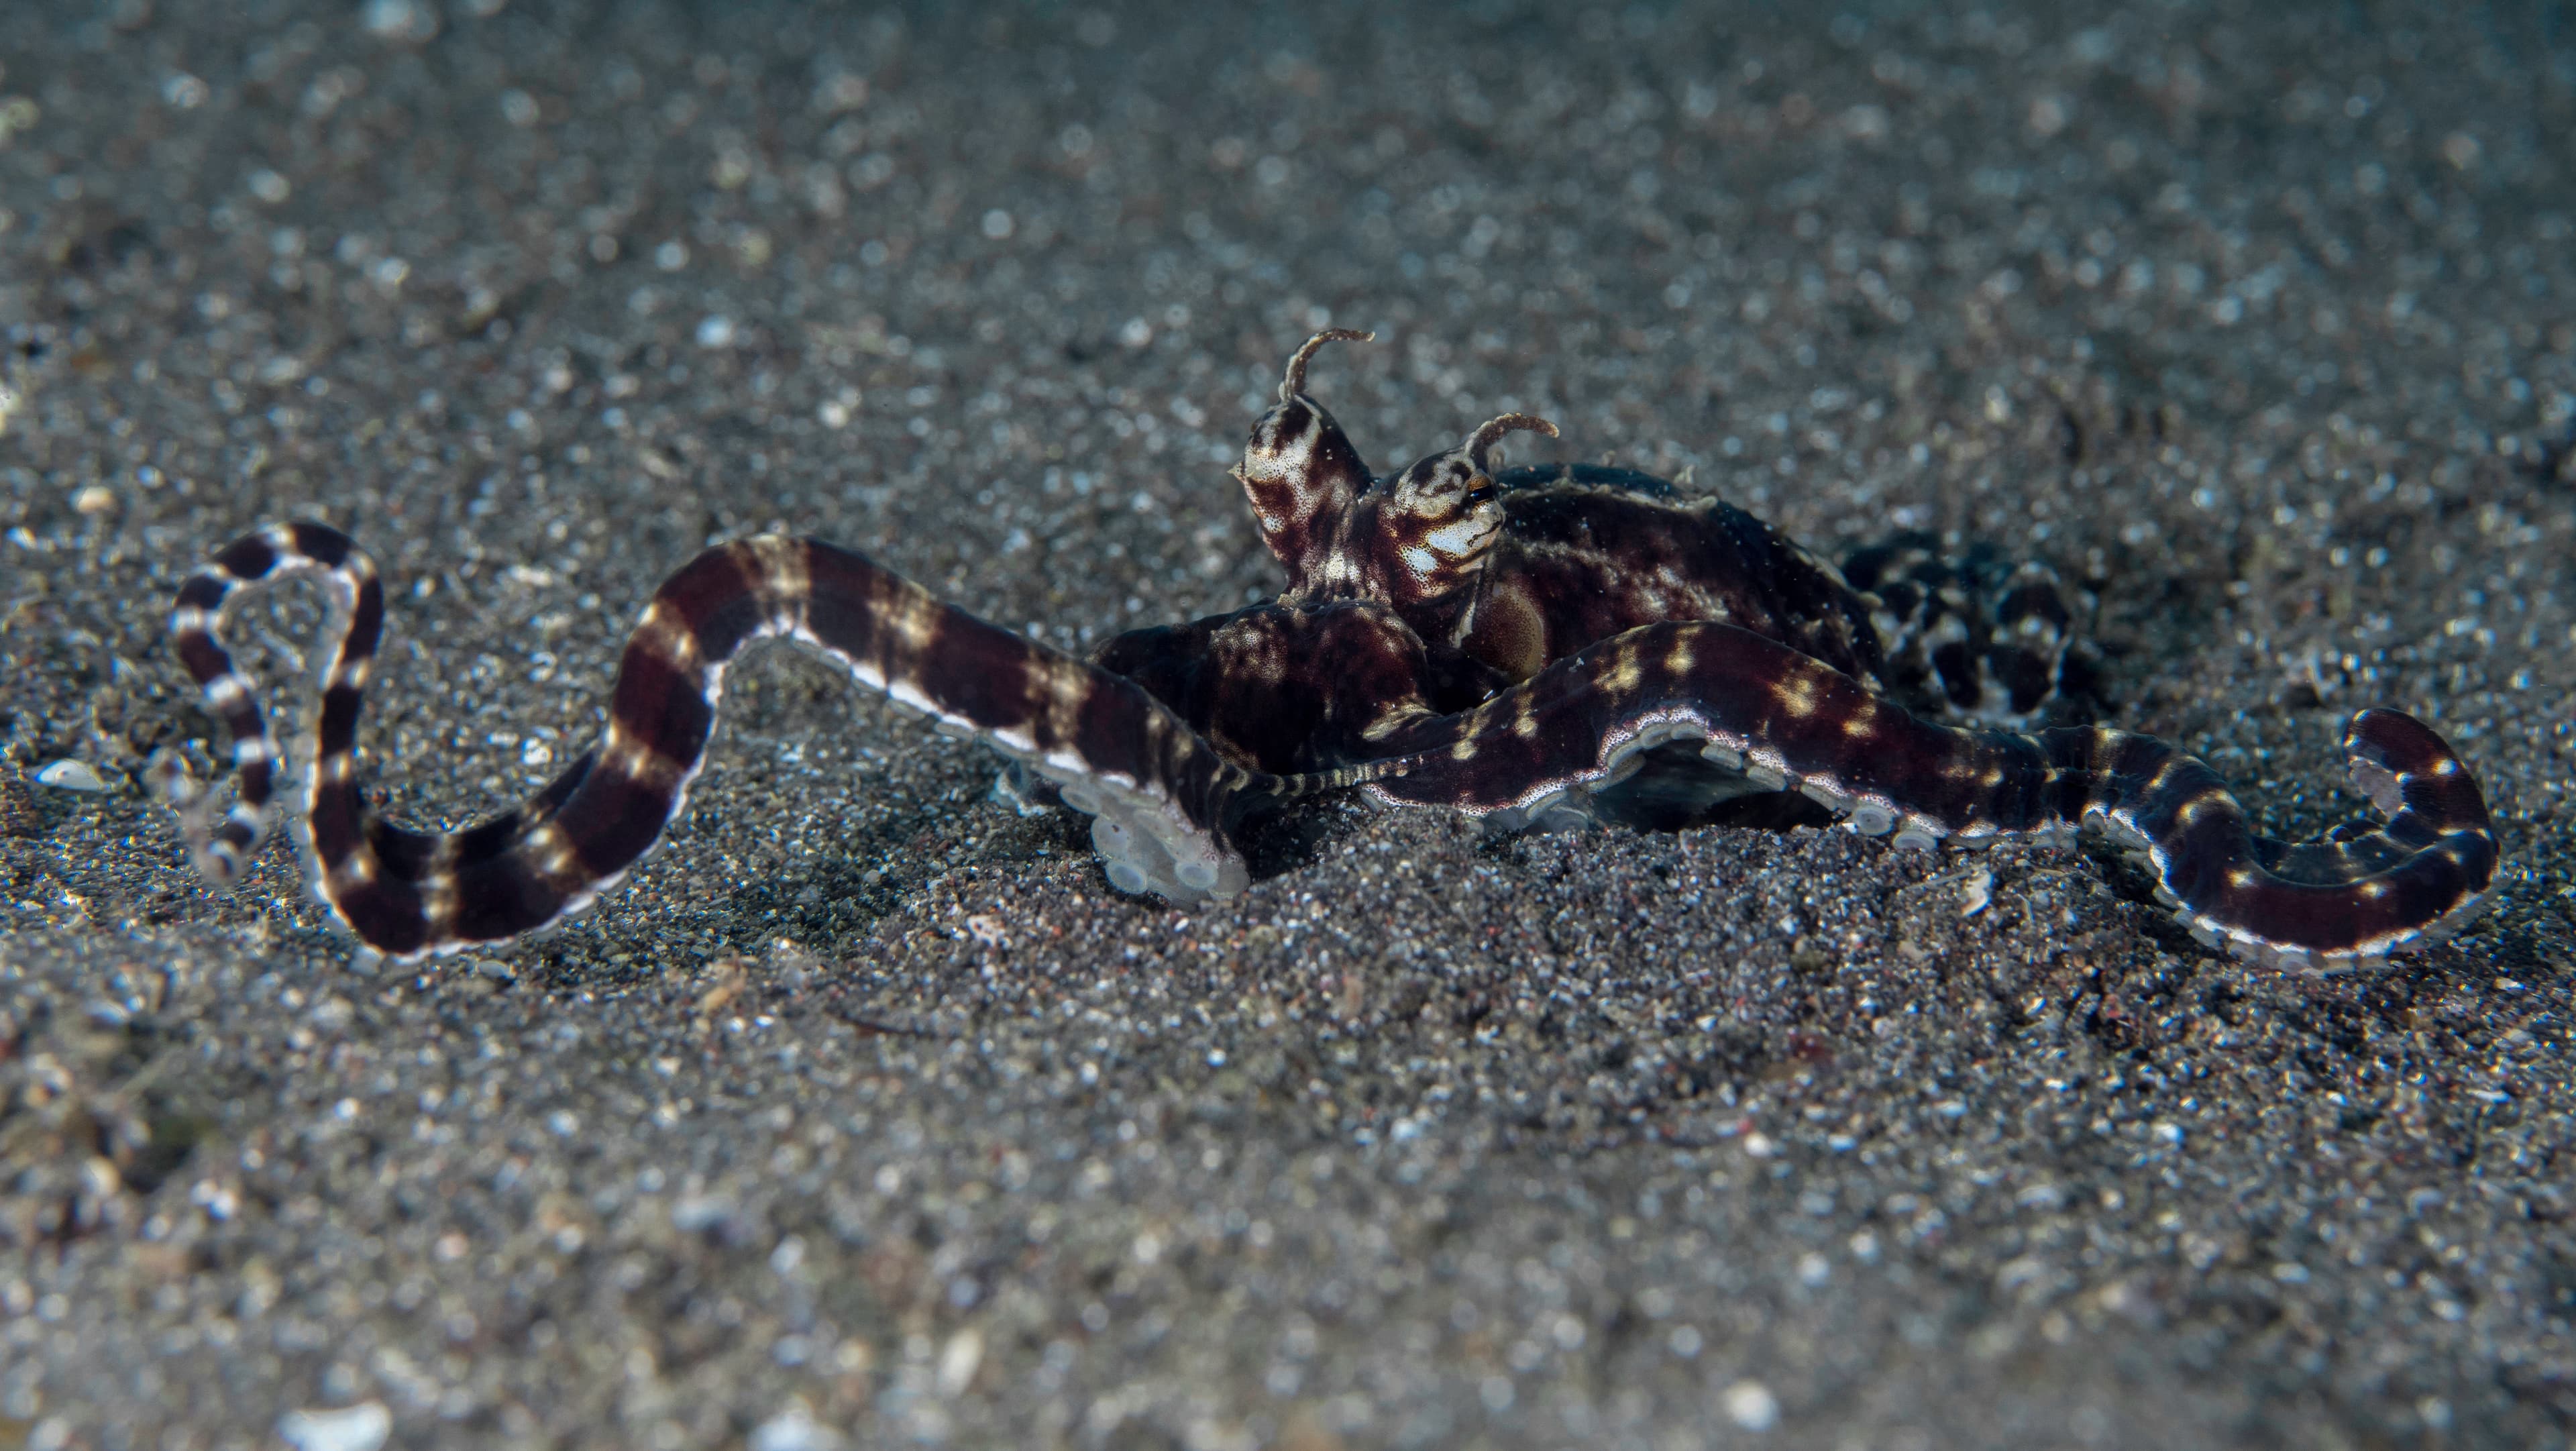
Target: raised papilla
<point>1540,645</point>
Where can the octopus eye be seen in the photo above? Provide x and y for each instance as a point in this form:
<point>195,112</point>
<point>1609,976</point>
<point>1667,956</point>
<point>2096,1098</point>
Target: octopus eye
<point>1482,492</point>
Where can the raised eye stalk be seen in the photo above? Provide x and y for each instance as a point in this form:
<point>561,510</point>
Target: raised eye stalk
<point>1480,445</point>
<point>1295,383</point>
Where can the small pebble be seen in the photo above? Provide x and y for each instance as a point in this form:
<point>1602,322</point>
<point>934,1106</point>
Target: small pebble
<point>407,21</point>
<point>362,1427</point>
<point>1979,890</point>
<point>1750,1404</point>
<point>958,1361</point>
<point>794,1429</point>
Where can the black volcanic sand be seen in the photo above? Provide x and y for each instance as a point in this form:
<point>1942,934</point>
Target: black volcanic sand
<point>868,1113</point>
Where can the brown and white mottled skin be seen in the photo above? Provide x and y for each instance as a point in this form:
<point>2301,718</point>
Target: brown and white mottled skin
<point>1524,645</point>
<point>1520,568</point>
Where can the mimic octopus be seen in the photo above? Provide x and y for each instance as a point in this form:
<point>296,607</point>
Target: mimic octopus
<point>1532,646</point>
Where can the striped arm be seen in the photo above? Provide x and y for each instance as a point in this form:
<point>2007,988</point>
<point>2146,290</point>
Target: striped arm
<point>1783,721</point>
<point>1162,798</point>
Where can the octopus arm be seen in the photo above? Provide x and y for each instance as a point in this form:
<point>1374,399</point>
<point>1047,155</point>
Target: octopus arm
<point>1783,721</point>
<point>1160,796</point>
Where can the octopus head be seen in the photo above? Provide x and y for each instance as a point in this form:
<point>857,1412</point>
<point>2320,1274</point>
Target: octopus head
<point>1437,520</point>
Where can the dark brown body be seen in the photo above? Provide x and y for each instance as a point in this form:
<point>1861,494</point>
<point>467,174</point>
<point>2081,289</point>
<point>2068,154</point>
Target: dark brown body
<point>1587,553</point>
<point>1284,689</point>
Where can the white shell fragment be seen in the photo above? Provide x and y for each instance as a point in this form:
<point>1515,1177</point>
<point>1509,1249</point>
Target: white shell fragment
<point>70,776</point>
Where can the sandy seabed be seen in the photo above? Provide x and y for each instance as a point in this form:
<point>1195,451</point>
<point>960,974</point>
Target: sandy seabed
<point>868,1114</point>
